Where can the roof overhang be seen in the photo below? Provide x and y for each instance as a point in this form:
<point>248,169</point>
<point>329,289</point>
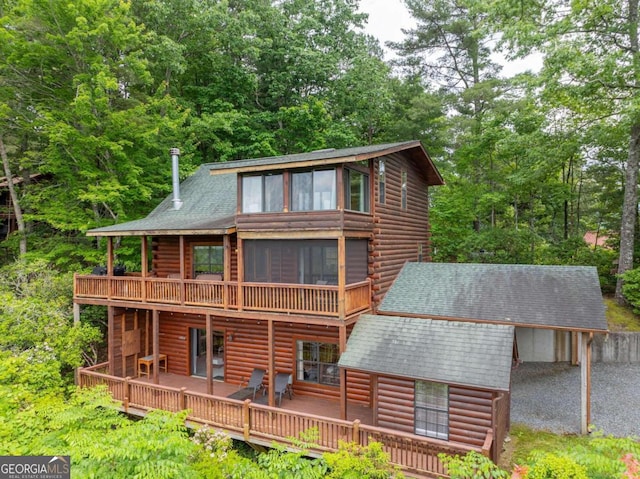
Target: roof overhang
<point>161,232</point>
<point>415,148</point>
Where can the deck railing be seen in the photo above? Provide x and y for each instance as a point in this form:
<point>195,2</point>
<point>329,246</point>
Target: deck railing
<point>263,424</point>
<point>266,297</point>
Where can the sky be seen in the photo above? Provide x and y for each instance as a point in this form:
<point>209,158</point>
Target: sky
<point>387,18</point>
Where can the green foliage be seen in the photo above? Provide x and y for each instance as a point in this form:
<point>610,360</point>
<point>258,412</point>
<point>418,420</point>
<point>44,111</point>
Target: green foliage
<point>36,315</point>
<point>352,461</point>
<point>551,466</point>
<point>472,465</point>
<point>631,288</point>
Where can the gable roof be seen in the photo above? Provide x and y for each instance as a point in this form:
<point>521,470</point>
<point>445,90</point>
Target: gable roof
<point>452,352</point>
<point>553,297</point>
<point>210,195</point>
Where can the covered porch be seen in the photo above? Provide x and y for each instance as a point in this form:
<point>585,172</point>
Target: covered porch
<point>263,425</point>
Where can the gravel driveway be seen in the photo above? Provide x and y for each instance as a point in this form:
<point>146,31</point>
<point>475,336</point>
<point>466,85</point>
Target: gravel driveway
<point>547,396</point>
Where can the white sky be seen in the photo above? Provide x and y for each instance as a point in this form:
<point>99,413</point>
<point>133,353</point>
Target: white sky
<point>388,17</point>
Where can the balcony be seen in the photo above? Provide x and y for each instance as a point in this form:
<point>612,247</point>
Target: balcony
<point>321,300</point>
<point>261,424</point>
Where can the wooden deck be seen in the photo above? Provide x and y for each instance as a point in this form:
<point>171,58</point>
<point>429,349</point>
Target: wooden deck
<point>260,424</point>
<point>323,300</point>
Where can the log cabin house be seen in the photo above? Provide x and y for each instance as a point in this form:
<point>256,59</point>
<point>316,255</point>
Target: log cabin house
<point>281,265</point>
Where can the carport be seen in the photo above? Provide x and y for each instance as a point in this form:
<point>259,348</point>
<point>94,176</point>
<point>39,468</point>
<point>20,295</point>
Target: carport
<point>564,301</point>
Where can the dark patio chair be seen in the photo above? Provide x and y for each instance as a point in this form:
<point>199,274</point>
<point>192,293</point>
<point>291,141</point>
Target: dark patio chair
<point>256,381</point>
<point>282,385</point>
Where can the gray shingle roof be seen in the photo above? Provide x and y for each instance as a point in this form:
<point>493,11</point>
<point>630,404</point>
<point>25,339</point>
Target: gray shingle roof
<point>452,352</point>
<point>354,154</point>
<point>209,200</point>
<point>209,204</point>
<point>525,295</point>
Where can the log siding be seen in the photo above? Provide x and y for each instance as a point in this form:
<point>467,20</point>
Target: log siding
<point>398,232</point>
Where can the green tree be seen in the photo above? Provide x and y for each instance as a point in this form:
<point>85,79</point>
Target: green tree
<point>592,70</point>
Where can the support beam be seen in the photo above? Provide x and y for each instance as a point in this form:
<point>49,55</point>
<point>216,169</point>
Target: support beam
<point>585,382</point>
<point>342,276</point>
<point>209,332</point>
<point>144,254</point>
<point>272,363</point>
<point>111,340</point>
<point>156,346</point>
<point>240,275</point>
<point>76,313</point>
<point>342,346</point>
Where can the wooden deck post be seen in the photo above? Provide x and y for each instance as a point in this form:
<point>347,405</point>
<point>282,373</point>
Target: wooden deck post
<point>144,253</point>
<point>240,292</point>
<point>246,420</point>
<point>126,394</point>
<point>585,382</point>
<point>156,346</point>
<point>109,266</point>
<point>342,347</point>
<point>181,401</point>
<point>182,270</point>
<point>356,432</point>
<point>209,332</point>
<point>271,363</point>
<point>111,340</point>
<point>342,277</point>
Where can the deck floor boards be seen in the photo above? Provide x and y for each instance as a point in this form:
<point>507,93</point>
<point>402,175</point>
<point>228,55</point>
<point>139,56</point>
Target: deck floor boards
<point>304,404</point>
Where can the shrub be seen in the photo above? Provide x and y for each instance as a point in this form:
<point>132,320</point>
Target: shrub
<point>551,466</point>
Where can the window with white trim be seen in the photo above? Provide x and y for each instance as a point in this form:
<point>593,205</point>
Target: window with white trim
<point>432,409</point>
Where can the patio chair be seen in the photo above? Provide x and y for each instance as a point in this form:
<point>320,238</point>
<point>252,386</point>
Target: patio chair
<point>255,381</point>
<point>282,385</point>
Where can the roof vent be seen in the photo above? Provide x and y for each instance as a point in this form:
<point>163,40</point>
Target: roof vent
<point>175,168</point>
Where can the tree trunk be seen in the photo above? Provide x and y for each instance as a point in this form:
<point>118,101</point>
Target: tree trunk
<point>629,209</point>
<point>14,198</point>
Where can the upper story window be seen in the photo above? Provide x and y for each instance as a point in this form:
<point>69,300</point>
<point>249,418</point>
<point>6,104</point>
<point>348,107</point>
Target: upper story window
<point>208,259</point>
<point>382,180</point>
<point>262,193</point>
<point>313,190</point>
<point>356,191</point>
<point>403,190</point>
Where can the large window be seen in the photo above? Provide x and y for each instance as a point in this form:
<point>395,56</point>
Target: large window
<point>262,193</point>
<point>313,190</point>
<point>208,259</point>
<point>432,410</point>
<point>356,191</point>
<point>317,362</point>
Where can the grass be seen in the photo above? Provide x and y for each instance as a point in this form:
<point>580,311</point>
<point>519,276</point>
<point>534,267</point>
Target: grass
<point>525,440</point>
<point>620,318</point>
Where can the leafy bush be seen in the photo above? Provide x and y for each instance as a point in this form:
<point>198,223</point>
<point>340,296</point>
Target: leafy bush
<point>551,466</point>
<point>472,466</point>
<point>353,462</point>
<point>631,288</point>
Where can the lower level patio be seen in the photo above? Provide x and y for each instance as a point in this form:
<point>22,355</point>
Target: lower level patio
<point>261,424</point>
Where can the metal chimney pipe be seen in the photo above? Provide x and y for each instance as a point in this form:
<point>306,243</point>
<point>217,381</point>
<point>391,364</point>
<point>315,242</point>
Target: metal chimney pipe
<point>175,162</point>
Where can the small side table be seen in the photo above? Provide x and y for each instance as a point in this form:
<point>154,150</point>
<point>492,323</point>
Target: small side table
<point>147,362</point>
